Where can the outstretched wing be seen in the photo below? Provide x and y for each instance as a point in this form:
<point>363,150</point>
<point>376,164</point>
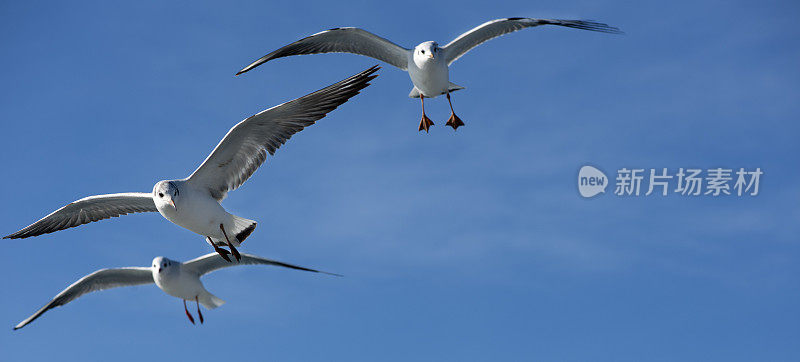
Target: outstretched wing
<point>86,210</point>
<point>99,280</point>
<point>494,28</point>
<point>211,262</point>
<point>246,145</point>
<point>341,40</point>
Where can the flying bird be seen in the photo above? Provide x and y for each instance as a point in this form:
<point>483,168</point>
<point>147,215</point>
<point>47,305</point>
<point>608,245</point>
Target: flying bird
<point>181,280</point>
<point>427,64</point>
<point>194,202</point>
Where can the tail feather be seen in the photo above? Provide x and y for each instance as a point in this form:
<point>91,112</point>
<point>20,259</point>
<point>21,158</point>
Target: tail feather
<point>452,87</point>
<point>246,232</point>
<point>210,301</point>
<point>242,228</point>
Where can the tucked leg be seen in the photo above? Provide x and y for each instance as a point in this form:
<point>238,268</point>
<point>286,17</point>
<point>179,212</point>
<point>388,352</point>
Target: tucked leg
<point>199,313</point>
<point>454,121</point>
<point>191,319</point>
<point>230,245</point>
<point>426,122</point>
<point>222,252</point>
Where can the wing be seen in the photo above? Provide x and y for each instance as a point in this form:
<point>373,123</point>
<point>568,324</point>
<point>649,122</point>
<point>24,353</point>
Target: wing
<point>86,210</point>
<point>99,280</point>
<point>211,262</point>
<point>245,146</point>
<point>494,28</point>
<point>342,40</point>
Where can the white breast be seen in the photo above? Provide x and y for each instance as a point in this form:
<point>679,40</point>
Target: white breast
<point>197,211</point>
<point>179,284</point>
<point>431,78</point>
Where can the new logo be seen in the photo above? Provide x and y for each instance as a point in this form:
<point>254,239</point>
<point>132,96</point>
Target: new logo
<point>591,181</point>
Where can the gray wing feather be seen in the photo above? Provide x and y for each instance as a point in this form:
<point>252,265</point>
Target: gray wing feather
<point>246,145</point>
<point>211,262</point>
<point>99,280</point>
<point>494,28</point>
<point>86,210</point>
<point>341,40</point>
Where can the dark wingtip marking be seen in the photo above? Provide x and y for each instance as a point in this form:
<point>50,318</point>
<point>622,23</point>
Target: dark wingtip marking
<point>246,232</point>
<point>515,18</point>
<point>590,25</point>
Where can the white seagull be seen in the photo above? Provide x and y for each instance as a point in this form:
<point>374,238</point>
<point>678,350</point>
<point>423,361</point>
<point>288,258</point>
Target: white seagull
<point>181,280</point>
<point>194,202</point>
<point>427,64</point>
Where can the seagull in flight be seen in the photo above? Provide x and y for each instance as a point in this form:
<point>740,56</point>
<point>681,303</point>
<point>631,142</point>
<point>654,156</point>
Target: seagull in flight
<point>427,64</point>
<point>194,202</point>
<point>181,280</point>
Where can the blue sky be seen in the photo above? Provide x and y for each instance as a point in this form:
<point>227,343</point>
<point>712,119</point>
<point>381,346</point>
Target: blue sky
<point>472,245</point>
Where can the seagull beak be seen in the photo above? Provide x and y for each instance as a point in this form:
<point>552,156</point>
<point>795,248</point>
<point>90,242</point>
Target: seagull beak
<point>173,204</point>
<point>430,55</point>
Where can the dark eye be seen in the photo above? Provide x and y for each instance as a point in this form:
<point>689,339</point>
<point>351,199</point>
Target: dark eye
<point>423,52</point>
<point>160,194</point>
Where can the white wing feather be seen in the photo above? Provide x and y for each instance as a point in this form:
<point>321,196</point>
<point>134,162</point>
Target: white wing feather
<point>341,40</point>
<point>88,209</point>
<point>246,145</point>
<point>494,28</point>
<point>211,262</point>
<point>99,280</point>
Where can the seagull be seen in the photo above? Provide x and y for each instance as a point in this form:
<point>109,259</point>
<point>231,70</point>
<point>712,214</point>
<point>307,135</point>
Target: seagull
<point>194,202</point>
<point>180,280</point>
<point>427,64</point>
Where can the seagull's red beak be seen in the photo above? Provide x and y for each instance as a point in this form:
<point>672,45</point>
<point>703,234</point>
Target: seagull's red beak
<point>173,204</point>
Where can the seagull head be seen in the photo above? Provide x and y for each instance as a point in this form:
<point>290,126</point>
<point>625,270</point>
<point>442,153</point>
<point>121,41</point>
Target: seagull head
<point>163,265</point>
<point>166,193</point>
<point>426,52</point>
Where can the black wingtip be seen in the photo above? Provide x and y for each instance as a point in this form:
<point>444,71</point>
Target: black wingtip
<point>251,66</point>
<point>371,72</point>
<point>244,70</point>
<point>329,273</point>
<point>585,24</point>
<point>317,271</point>
<point>23,234</point>
<point>363,78</point>
<point>592,25</point>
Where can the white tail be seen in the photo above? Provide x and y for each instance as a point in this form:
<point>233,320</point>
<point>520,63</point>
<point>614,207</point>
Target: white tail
<point>210,301</point>
<point>452,87</point>
<point>242,228</point>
